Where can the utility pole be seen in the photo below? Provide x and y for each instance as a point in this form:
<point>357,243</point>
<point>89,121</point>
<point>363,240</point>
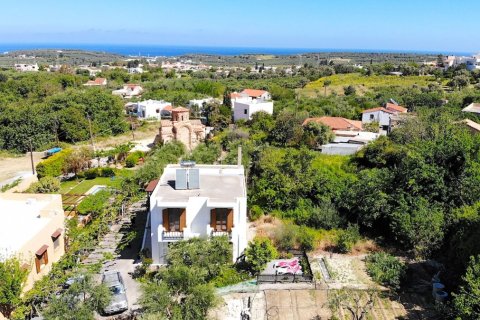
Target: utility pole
<point>91,134</point>
<point>131,125</point>
<point>56,131</point>
<point>31,155</point>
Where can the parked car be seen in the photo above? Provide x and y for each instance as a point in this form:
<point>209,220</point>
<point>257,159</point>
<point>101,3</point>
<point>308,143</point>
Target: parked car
<point>113,280</point>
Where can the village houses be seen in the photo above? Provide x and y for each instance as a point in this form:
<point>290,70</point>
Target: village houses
<point>382,116</point>
<point>249,101</point>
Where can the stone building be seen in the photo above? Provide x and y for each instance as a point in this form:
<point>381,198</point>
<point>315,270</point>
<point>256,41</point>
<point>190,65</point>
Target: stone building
<point>181,128</point>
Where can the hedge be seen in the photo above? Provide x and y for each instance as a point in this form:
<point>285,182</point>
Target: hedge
<point>52,167</point>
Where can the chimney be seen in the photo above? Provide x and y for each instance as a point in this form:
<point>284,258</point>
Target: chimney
<point>239,156</point>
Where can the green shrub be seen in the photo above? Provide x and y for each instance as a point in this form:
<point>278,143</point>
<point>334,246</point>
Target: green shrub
<point>91,173</point>
<point>385,269</point>
<point>306,239</point>
<point>255,212</point>
<point>133,158</point>
<point>45,185</point>
<point>259,252</point>
<point>107,172</point>
<point>9,186</point>
<point>325,216</point>
<point>228,276</point>
<point>348,238</point>
<point>94,203</point>
<point>52,167</point>
<point>286,237</point>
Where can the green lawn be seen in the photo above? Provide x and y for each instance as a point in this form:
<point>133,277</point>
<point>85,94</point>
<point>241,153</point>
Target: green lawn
<point>80,186</point>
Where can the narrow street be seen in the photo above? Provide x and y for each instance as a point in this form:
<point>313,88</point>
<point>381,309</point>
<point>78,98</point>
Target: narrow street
<point>125,259</point>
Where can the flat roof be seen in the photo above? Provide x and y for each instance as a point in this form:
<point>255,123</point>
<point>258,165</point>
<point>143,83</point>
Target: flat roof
<point>219,183</point>
<point>23,216</point>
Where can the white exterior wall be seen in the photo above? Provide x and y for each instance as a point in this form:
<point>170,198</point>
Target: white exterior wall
<point>245,110</point>
<point>383,118</point>
<point>148,109</point>
<point>198,223</point>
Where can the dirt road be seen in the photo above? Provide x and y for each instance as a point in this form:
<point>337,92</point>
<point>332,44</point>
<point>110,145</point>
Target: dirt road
<point>13,168</point>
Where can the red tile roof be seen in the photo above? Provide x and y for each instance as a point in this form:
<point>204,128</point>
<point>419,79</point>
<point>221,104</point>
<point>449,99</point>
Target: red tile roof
<point>96,82</point>
<point>379,109</point>
<point>254,93</point>
<point>180,109</point>
<point>234,95</point>
<point>337,123</point>
<point>168,108</point>
<point>151,185</point>
<point>396,108</point>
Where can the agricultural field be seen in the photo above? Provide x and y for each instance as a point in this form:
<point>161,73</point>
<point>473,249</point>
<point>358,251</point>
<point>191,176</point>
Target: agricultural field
<point>362,83</point>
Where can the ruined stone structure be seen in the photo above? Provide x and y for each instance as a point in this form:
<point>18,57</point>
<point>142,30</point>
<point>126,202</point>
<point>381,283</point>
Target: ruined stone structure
<point>181,128</point>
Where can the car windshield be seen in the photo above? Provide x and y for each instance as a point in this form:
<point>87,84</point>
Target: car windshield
<point>116,289</point>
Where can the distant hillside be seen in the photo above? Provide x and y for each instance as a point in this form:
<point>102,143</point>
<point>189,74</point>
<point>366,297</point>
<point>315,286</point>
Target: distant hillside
<point>311,58</point>
<point>49,56</point>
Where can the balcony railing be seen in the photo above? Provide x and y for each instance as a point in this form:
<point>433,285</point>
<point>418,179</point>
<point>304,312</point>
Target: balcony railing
<point>222,233</point>
<point>172,235</point>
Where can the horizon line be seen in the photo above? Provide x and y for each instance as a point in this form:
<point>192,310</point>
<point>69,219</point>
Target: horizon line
<point>78,46</point>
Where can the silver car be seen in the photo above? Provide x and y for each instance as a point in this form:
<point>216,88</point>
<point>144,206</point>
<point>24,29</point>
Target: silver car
<point>113,280</point>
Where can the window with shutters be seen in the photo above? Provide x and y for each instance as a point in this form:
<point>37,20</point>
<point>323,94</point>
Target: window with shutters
<point>174,219</point>
<point>221,219</point>
<point>41,260</point>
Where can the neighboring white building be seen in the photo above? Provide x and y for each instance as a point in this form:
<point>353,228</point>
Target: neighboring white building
<point>382,115</point>
<point>26,67</point>
<point>472,63</point>
<point>361,137</point>
<point>249,101</point>
<point>198,201</point>
<point>128,91</point>
<point>136,70</point>
<point>32,229</point>
<point>151,109</point>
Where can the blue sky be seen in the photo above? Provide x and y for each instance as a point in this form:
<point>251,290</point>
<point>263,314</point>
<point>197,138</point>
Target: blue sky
<point>340,24</point>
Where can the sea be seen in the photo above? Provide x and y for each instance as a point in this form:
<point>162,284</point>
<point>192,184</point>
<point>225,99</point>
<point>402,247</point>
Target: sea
<point>145,50</point>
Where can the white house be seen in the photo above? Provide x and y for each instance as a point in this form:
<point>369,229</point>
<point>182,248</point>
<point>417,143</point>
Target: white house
<point>32,229</point>
<point>249,101</point>
<point>151,109</point>
<point>26,67</point>
<point>128,91</point>
<point>135,70</point>
<point>382,115</point>
<point>198,201</point>
<point>472,62</point>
